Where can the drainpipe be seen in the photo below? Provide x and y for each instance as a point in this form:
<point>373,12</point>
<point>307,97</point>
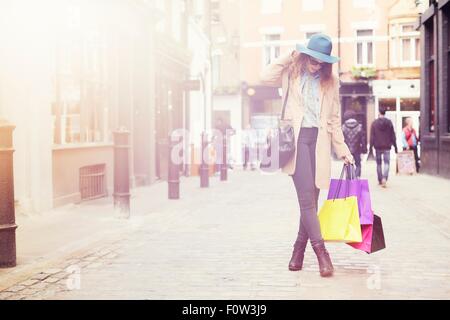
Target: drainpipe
<point>339,37</point>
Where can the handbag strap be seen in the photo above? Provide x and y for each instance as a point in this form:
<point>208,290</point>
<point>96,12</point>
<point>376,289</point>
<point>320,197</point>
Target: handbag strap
<point>286,97</point>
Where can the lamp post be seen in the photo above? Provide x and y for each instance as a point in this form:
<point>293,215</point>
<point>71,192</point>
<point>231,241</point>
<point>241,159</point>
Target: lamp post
<point>7,211</point>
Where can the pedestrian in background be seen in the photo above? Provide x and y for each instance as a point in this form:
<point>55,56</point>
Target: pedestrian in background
<point>382,138</point>
<point>313,108</point>
<point>410,140</point>
<point>355,138</point>
<point>249,147</point>
<point>222,130</point>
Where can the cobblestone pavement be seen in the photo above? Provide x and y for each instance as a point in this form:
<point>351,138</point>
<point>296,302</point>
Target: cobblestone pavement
<point>234,240</point>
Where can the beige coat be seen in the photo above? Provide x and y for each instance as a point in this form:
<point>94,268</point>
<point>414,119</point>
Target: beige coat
<point>330,132</point>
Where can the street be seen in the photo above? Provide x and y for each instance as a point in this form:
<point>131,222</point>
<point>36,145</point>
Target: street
<point>234,241</point>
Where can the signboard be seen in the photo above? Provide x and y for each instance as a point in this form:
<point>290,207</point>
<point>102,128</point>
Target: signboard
<point>406,163</point>
<point>192,85</point>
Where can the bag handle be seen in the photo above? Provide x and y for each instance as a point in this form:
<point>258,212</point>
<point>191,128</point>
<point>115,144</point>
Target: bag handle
<point>286,97</point>
<point>345,168</point>
<point>351,172</point>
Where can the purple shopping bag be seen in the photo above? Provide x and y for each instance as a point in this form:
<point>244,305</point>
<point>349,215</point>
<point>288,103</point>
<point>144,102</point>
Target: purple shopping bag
<point>342,188</point>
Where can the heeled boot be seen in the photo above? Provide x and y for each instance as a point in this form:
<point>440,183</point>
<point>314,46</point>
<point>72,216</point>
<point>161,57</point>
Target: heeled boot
<point>325,266</point>
<point>298,254</point>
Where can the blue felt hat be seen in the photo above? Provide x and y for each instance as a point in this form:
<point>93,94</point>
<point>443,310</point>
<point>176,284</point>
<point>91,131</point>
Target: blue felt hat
<point>319,47</point>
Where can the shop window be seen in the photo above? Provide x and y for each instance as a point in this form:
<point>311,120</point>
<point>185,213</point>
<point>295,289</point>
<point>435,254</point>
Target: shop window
<point>388,104</point>
<point>412,104</point>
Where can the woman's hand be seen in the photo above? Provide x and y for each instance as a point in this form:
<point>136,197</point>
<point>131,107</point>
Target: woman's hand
<point>348,159</point>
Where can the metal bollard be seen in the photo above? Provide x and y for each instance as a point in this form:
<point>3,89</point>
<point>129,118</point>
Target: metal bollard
<point>224,165</point>
<point>121,173</point>
<point>174,173</point>
<point>204,168</point>
<point>7,212</point>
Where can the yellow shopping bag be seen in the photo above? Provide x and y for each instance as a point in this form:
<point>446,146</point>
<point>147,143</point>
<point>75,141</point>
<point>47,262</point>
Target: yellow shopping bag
<point>339,220</point>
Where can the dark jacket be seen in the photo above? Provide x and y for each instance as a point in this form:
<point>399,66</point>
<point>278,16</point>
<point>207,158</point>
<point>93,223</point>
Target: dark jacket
<point>355,137</point>
<point>382,135</point>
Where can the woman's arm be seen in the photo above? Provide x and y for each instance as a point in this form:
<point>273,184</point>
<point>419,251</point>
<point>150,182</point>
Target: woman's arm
<point>272,73</point>
<point>334,122</point>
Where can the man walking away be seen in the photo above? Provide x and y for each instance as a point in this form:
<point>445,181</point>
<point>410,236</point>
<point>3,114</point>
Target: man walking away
<point>382,138</point>
<point>355,138</point>
<point>410,140</point>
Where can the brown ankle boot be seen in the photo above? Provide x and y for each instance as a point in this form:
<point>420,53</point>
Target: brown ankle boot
<point>298,254</point>
<point>325,265</point>
<point>296,262</point>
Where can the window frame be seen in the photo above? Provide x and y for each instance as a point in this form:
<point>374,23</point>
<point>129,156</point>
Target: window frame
<point>364,40</point>
<point>412,37</point>
<point>273,45</point>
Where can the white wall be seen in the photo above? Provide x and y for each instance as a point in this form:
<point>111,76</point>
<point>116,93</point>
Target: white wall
<point>26,65</point>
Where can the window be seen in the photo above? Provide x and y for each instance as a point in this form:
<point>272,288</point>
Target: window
<point>160,6</point>
<point>215,12</point>
<point>79,109</point>
<point>364,47</point>
<point>177,16</point>
<point>270,6</point>
<point>388,104</point>
<point>271,48</point>
<point>312,5</point>
<point>409,45</point>
<point>364,3</point>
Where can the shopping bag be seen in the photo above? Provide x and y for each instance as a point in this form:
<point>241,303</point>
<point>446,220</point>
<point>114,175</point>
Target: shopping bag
<point>378,242</point>
<point>354,187</point>
<point>372,237</point>
<point>366,243</point>
<point>339,220</point>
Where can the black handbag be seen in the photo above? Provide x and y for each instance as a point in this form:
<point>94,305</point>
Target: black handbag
<point>284,136</point>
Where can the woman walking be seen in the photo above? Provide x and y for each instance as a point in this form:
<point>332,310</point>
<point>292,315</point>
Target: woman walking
<point>313,109</point>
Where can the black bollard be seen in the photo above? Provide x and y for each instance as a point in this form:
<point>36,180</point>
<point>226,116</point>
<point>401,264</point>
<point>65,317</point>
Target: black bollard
<point>7,212</point>
<point>224,164</point>
<point>174,172</point>
<point>204,168</point>
<point>121,173</point>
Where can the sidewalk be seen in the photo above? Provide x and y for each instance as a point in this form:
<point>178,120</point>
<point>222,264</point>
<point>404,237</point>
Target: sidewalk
<point>232,241</point>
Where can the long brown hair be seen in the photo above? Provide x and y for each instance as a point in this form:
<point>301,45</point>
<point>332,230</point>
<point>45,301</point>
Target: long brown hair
<point>299,64</point>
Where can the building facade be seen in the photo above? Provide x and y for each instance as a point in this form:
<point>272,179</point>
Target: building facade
<point>435,97</point>
<point>375,40</point>
<point>73,72</point>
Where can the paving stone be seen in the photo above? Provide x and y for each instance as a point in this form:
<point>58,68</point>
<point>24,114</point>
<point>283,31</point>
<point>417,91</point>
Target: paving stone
<point>234,241</point>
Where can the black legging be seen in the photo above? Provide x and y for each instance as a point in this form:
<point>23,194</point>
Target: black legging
<point>307,192</point>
